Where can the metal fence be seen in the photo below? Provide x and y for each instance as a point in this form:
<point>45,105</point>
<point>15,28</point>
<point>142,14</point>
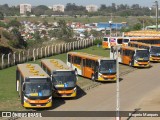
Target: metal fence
<point>11,59</point>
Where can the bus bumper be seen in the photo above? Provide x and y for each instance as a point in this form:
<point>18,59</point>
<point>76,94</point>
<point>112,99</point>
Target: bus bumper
<point>141,65</point>
<point>65,95</point>
<point>152,59</point>
<point>106,79</point>
<point>44,105</point>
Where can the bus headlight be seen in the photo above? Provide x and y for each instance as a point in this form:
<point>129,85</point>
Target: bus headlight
<point>99,74</point>
<point>26,99</point>
<point>75,89</point>
<point>50,99</point>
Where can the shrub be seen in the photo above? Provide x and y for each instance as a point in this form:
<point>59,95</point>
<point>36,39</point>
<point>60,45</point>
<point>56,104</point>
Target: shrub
<point>97,42</point>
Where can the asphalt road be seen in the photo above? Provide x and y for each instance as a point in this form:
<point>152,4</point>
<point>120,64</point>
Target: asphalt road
<point>133,87</point>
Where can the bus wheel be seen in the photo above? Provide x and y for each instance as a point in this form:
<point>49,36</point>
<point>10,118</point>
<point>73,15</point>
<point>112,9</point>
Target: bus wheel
<point>93,77</point>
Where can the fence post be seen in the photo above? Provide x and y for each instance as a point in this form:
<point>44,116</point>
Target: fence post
<point>73,45</point>
<point>45,51</point>
<point>59,48</point>
<point>37,52</point>
<point>3,60</point>
<point>28,55</point>
<point>52,49</point>
<point>48,51</point>
<point>34,55</point>
<point>19,56</point>
<point>23,57</point>
<point>83,43</point>
<point>68,46</point>
<point>41,52</point>
<point>62,50</point>
<point>8,59</point>
<point>55,49</point>
<point>14,58</point>
<point>78,44</point>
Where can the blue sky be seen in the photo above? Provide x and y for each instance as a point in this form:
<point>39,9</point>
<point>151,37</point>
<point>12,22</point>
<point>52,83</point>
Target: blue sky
<point>147,3</point>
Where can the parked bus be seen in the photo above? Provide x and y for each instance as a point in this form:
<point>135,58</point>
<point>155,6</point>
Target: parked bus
<point>142,33</point>
<point>153,49</point>
<point>92,66</point>
<point>108,42</point>
<point>63,77</point>
<point>34,86</point>
<point>132,56</point>
<point>147,40</point>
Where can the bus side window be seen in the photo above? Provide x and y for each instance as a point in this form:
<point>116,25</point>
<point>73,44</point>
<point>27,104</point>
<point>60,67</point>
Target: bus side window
<point>88,63</point>
<point>74,59</point>
<point>131,54</point>
<point>96,66</point>
<point>77,60</point>
<point>92,64</point>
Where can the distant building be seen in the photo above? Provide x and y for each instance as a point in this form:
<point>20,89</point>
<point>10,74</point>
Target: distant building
<point>24,8</point>
<point>91,8</point>
<point>108,26</point>
<point>59,8</point>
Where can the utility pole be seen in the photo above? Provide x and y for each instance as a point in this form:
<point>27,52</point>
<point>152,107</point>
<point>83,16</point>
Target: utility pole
<point>156,3</point>
<point>117,87</point>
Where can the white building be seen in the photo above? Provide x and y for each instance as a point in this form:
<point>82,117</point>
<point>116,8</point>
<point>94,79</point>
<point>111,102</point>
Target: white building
<point>91,8</point>
<point>24,8</point>
<point>58,7</point>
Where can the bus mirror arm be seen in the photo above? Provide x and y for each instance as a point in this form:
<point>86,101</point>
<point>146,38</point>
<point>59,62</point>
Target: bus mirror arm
<point>51,77</point>
<point>23,87</point>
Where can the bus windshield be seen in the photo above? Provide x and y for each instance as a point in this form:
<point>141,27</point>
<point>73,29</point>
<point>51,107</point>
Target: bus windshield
<point>105,39</point>
<point>37,89</point>
<point>155,50</point>
<point>125,40</point>
<point>64,78</point>
<point>142,55</point>
<point>107,66</point>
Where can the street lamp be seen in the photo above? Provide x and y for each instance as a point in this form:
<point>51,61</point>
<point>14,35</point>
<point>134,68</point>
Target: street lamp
<point>156,4</point>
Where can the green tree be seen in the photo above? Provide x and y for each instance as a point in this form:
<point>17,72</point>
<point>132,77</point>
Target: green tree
<point>14,23</point>
<point>1,16</point>
<point>18,41</point>
<point>137,26</point>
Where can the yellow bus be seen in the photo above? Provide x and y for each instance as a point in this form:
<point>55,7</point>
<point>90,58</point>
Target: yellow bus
<point>153,49</point>
<point>132,56</point>
<point>92,66</point>
<point>142,33</point>
<point>147,40</point>
<point>34,86</point>
<point>63,77</point>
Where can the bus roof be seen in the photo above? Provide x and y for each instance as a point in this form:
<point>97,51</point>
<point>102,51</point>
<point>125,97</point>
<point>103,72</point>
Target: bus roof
<point>31,70</point>
<point>140,43</point>
<point>90,56</point>
<point>55,64</point>
<point>131,48</point>
<point>143,38</point>
<point>144,44</point>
